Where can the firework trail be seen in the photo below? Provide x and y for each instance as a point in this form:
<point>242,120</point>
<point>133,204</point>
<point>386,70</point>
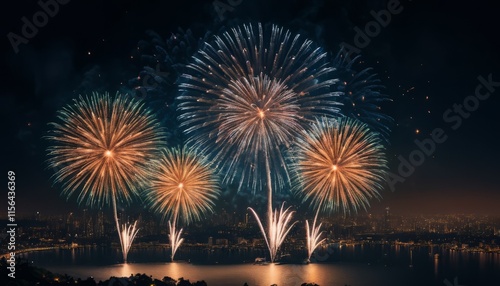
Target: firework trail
<point>100,150</point>
<point>127,236</point>
<point>175,239</point>
<point>313,235</point>
<point>183,187</point>
<point>279,228</point>
<point>339,165</point>
<point>246,97</point>
<point>361,97</point>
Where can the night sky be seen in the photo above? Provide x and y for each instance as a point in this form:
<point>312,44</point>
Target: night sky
<point>429,57</point>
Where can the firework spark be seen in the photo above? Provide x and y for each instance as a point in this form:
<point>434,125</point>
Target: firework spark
<point>175,239</point>
<point>279,228</point>
<point>313,235</point>
<point>100,151</point>
<point>183,187</point>
<point>127,236</point>
<point>339,165</point>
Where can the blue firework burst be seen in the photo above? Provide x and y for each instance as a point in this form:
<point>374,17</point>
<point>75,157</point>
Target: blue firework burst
<point>362,95</point>
<point>163,60</point>
<point>247,95</point>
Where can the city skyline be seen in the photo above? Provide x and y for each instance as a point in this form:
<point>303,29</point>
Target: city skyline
<point>84,224</point>
<point>228,229</point>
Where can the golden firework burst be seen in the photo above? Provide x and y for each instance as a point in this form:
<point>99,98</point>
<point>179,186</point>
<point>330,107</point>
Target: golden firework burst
<point>101,147</point>
<point>339,165</point>
<point>183,185</point>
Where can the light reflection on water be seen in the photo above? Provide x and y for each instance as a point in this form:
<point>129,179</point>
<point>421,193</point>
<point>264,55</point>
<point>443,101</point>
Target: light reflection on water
<point>221,275</point>
<point>73,256</point>
<point>352,265</point>
<point>126,270</point>
<point>436,265</point>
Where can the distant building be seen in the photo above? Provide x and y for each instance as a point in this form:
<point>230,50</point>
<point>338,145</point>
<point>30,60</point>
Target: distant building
<point>387,220</point>
<point>258,242</point>
<point>222,241</point>
<point>99,225</point>
<point>242,240</point>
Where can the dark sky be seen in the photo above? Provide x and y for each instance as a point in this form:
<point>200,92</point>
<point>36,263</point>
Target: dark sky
<point>429,57</point>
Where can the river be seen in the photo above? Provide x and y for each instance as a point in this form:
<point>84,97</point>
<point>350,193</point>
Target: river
<point>386,265</point>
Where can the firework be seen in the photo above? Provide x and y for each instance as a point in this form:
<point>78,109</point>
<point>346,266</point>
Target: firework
<point>183,187</point>
<point>339,165</point>
<point>100,150</point>
<point>175,239</point>
<point>313,235</point>
<point>247,94</point>
<point>127,236</point>
<point>279,228</point>
<point>361,94</point>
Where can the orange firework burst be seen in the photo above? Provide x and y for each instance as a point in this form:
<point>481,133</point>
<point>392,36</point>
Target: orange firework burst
<point>339,164</point>
<point>101,147</point>
<point>183,185</point>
